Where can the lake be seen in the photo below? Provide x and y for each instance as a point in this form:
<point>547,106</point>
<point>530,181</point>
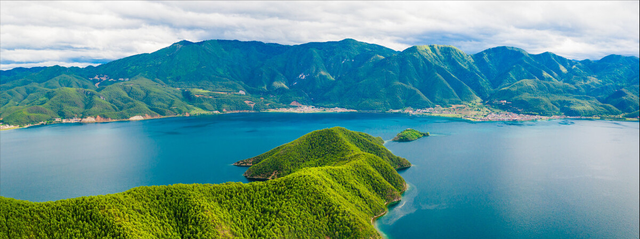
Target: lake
<point>547,179</point>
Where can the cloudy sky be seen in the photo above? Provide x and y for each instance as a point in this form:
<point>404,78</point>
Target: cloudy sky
<point>82,33</point>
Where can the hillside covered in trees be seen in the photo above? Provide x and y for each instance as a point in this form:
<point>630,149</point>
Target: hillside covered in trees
<point>409,135</point>
<point>322,148</point>
<point>334,195</point>
<point>222,75</point>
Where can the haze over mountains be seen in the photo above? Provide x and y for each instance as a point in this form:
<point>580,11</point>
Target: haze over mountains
<point>222,75</point>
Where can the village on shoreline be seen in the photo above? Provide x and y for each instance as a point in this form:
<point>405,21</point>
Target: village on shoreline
<point>465,112</point>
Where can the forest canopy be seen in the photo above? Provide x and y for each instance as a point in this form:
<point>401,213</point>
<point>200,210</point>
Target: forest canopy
<point>329,198</point>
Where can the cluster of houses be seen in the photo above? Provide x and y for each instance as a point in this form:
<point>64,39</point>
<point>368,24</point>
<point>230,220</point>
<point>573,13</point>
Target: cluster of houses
<point>7,126</point>
<point>100,78</point>
<point>508,116</point>
<point>300,108</point>
<point>463,111</point>
<point>76,120</point>
<point>106,78</point>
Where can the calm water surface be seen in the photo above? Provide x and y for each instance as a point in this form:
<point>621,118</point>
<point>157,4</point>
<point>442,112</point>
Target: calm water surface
<point>551,179</point>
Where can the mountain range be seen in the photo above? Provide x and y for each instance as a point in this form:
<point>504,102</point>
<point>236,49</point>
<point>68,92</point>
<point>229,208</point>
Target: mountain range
<point>229,75</point>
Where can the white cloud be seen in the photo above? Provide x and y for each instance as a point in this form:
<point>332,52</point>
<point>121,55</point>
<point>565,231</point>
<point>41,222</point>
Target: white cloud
<point>71,32</point>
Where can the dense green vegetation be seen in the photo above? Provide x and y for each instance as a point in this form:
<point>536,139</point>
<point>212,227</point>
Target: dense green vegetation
<point>409,135</point>
<point>220,75</point>
<point>68,97</point>
<point>329,147</point>
<point>333,198</point>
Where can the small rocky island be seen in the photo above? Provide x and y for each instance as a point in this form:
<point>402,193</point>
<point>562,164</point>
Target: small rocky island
<point>409,135</point>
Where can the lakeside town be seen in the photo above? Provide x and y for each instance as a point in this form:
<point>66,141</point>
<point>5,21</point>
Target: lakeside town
<point>476,112</point>
<point>300,108</point>
<point>89,119</point>
<point>8,126</point>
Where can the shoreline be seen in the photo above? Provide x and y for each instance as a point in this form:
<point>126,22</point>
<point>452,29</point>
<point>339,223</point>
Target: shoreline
<point>448,116</point>
<point>386,210</point>
<point>94,122</point>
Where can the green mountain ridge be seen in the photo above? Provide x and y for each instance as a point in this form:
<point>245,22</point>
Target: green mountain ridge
<point>335,195</point>
<point>224,75</point>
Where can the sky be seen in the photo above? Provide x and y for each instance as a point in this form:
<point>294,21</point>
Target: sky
<point>81,33</point>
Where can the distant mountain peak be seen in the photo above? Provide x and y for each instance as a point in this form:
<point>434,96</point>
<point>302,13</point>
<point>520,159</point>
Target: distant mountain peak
<point>613,58</point>
<point>503,49</point>
<point>183,43</point>
<point>349,40</point>
<point>435,50</point>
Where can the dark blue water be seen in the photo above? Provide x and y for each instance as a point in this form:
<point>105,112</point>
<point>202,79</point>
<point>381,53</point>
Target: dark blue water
<point>551,179</point>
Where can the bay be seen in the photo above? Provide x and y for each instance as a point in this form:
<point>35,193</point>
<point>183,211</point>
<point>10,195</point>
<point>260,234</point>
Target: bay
<point>547,179</point>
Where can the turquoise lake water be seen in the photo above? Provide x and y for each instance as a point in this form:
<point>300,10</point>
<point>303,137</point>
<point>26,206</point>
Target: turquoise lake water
<point>548,179</point>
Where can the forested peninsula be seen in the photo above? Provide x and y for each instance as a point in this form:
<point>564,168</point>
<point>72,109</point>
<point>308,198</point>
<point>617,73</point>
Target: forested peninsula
<point>221,76</point>
<point>329,183</point>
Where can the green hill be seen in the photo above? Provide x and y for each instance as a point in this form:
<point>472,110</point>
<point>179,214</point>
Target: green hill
<point>409,135</point>
<point>222,75</point>
<point>329,198</point>
<point>328,147</point>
